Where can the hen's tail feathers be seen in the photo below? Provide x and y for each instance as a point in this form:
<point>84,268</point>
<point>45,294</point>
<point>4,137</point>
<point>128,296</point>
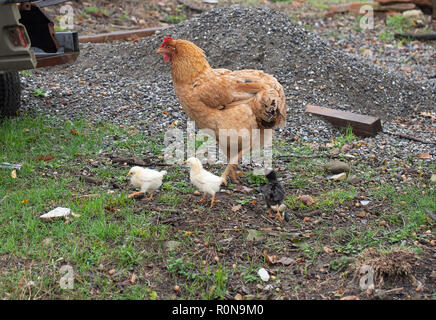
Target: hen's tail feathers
<point>270,107</point>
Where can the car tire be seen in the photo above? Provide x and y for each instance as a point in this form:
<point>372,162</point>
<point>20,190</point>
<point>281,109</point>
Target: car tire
<point>10,93</point>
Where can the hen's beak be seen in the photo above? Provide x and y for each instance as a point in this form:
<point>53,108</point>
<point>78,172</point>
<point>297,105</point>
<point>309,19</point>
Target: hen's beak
<point>129,174</point>
<point>160,50</point>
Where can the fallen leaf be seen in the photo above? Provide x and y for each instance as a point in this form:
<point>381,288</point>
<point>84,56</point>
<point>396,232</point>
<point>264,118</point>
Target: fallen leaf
<point>243,189</point>
<point>133,279</point>
<point>74,131</point>
<point>269,259</point>
<point>286,261</point>
<point>14,174</point>
<point>24,201</point>
<point>307,200</point>
<point>236,208</point>
<point>327,250</point>
<point>47,157</point>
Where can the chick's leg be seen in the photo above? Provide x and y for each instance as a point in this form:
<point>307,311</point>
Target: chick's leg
<point>213,201</point>
<point>278,216</point>
<point>150,197</point>
<point>269,213</point>
<point>135,194</point>
<point>203,198</point>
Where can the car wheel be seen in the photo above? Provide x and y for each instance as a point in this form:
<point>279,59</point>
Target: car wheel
<point>10,93</point>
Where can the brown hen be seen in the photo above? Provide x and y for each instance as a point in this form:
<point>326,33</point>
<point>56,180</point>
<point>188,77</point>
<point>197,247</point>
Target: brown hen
<point>224,99</point>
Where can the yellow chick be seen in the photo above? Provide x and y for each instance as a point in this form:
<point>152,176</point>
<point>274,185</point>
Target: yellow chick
<point>146,180</point>
<point>204,180</point>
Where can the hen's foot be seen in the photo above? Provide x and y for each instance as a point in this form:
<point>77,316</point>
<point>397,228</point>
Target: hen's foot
<point>278,215</point>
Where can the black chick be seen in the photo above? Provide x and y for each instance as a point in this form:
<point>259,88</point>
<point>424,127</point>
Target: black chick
<point>273,193</point>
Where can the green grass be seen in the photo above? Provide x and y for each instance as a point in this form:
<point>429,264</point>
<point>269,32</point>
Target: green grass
<point>113,237</point>
<point>95,9</point>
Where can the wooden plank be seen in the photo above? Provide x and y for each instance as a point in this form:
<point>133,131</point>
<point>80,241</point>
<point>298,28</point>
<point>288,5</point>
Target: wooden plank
<point>416,36</point>
<point>120,35</point>
<point>362,125</point>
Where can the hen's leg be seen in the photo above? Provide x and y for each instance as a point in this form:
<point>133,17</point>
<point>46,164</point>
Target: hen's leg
<point>135,194</point>
<point>231,168</point>
<point>151,197</point>
<point>278,216</point>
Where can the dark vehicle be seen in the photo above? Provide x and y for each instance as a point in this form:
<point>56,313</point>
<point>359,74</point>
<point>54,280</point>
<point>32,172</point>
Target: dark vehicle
<point>27,41</point>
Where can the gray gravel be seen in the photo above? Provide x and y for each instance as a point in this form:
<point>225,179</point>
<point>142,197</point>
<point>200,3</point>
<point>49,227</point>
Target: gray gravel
<point>126,82</point>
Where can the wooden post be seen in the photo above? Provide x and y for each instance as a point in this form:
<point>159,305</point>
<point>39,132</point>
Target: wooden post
<point>362,125</point>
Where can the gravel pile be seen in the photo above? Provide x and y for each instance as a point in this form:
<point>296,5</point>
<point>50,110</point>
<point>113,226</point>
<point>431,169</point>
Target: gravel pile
<point>127,82</point>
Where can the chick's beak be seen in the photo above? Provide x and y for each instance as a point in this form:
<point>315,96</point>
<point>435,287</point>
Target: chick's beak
<point>129,174</point>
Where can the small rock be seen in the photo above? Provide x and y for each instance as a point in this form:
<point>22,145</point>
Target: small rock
<point>263,274</point>
<point>353,179</point>
<point>339,177</point>
<point>336,166</point>
<point>282,208</point>
<point>238,296</point>
<point>47,241</point>
<point>361,214</point>
<point>268,287</point>
<point>417,14</point>
<point>172,244</point>
<point>364,202</point>
<point>254,235</point>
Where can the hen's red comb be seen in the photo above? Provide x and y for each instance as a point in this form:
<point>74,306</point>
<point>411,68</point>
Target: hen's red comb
<point>166,39</point>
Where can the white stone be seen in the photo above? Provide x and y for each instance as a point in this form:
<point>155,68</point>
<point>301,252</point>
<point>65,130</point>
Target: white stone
<point>339,177</point>
<point>264,275</point>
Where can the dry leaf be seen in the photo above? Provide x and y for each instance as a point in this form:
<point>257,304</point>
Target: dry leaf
<point>307,200</point>
<point>47,157</point>
<point>236,208</point>
<point>74,131</point>
<point>327,250</point>
<point>14,174</point>
<point>286,261</point>
<point>269,259</point>
<point>133,279</point>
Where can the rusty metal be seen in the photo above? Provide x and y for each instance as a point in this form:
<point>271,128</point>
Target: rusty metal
<point>40,29</point>
<point>46,3</point>
<point>120,35</point>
